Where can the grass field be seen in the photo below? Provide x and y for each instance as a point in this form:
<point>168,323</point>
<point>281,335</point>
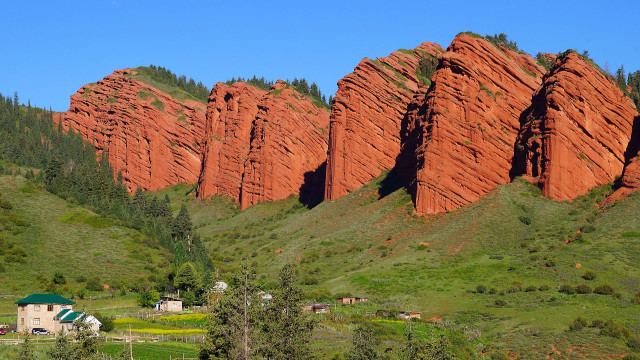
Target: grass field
<point>517,245</point>
<point>61,237</point>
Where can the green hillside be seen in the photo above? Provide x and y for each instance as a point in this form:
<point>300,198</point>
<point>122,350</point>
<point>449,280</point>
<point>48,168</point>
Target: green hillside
<point>495,266</point>
<point>55,236</point>
<point>177,86</point>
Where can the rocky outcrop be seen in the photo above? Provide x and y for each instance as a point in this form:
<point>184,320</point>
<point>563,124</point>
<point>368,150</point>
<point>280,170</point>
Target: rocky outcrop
<point>366,118</point>
<point>576,133</point>
<point>152,138</point>
<point>262,145</point>
<point>230,114</point>
<point>470,122</point>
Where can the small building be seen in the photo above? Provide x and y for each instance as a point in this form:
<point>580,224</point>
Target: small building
<point>168,304</point>
<point>39,310</point>
<point>265,297</point>
<point>66,320</point>
<point>317,308</point>
<point>404,315</point>
<point>349,300</point>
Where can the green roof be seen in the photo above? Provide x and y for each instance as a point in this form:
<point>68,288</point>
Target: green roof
<point>44,299</point>
<point>61,313</point>
<point>71,316</point>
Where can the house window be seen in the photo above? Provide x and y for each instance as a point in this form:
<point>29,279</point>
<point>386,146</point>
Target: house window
<point>22,321</point>
<point>36,307</point>
<point>64,307</point>
<point>50,307</point>
<point>175,305</point>
<point>36,321</point>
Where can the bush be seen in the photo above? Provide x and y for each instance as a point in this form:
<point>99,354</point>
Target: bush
<point>598,324</point>
<point>614,330</point>
<point>632,357</point>
<point>481,289</point>
<point>500,302</point>
<point>634,342</point>
<point>93,284</point>
<point>551,262</point>
<point>604,289</point>
<point>525,220</point>
<point>492,291</point>
<point>58,278</point>
<point>589,275</point>
<point>636,298</point>
<point>309,280</point>
<point>578,324</point>
<point>567,289</point>
<point>530,288</point>
<point>583,289</point>
<point>544,287</point>
<point>587,228</point>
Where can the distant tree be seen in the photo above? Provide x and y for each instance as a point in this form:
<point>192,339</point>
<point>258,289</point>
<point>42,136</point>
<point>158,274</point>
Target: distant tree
<point>363,344</point>
<point>86,343</point>
<point>621,79</point>
<point>26,349</point>
<point>285,329</point>
<point>58,278</point>
<point>188,278</point>
<point>62,349</point>
<point>232,328</point>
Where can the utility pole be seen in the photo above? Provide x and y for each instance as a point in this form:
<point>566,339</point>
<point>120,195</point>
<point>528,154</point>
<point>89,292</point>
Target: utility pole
<point>130,343</point>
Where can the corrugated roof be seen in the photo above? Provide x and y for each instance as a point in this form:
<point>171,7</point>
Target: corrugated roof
<point>45,299</point>
<point>62,313</point>
<point>71,316</point>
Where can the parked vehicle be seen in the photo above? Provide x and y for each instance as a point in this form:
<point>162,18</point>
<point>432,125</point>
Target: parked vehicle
<point>3,332</point>
<point>40,331</point>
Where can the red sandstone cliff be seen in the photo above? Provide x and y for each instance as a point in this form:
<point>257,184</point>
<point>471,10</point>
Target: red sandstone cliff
<point>152,138</point>
<point>262,145</point>
<point>470,122</point>
<point>366,118</point>
<point>576,133</point>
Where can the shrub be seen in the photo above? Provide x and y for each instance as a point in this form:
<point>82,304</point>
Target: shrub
<point>589,275</point>
<point>614,330</point>
<point>598,324</point>
<point>578,324</point>
<point>634,342</point>
<point>93,284</point>
<point>525,220</point>
<point>583,289</point>
<point>58,278</point>
<point>500,302</point>
<point>492,291</point>
<point>604,289</point>
<point>309,280</point>
<point>632,357</point>
<point>567,289</point>
<point>481,289</point>
<point>588,228</point>
<point>530,288</point>
<point>550,262</point>
<point>636,298</point>
<point>544,287</point>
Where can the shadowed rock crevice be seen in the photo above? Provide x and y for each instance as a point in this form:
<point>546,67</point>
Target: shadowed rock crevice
<point>312,189</point>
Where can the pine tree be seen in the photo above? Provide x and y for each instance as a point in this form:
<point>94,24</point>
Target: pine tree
<point>362,344</point>
<point>232,329</point>
<point>285,329</point>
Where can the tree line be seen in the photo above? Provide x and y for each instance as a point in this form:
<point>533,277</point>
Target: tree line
<point>71,170</point>
<point>164,75</point>
<point>246,324</point>
<point>301,85</point>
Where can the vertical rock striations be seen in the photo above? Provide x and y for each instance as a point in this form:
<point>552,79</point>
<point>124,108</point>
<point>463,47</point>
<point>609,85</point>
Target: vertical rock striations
<point>230,115</point>
<point>366,117</point>
<point>576,133</point>
<point>262,145</point>
<point>470,122</point>
<point>152,138</point>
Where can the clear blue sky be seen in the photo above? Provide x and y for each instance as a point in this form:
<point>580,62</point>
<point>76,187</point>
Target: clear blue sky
<point>52,48</point>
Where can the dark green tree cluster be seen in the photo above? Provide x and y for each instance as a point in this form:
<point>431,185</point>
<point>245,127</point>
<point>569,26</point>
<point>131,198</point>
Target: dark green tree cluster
<point>161,74</point>
<point>246,326</point>
<point>633,81</point>
<point>426,67</point>
<point>544,62</point>
<point>301,85</point>
<point>258,82</point>
<point>70,170</point>
<point>502,40</point>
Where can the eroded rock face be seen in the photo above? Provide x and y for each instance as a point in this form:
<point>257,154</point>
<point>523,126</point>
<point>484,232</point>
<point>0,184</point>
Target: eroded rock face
<point>470,122</point>
<point>230,114</point>
<point>152,138</point>
<point>576,133</point>
<point>263,145</point>
<point>366,117</point>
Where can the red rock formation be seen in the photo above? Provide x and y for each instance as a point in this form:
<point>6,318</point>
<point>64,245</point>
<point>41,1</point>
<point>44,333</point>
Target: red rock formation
<point>575,136</point>
<point>471,122</point>
<point>152,138</point>
<point>230,115</point>
<point>366,118</point>
<point>262,145</point>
